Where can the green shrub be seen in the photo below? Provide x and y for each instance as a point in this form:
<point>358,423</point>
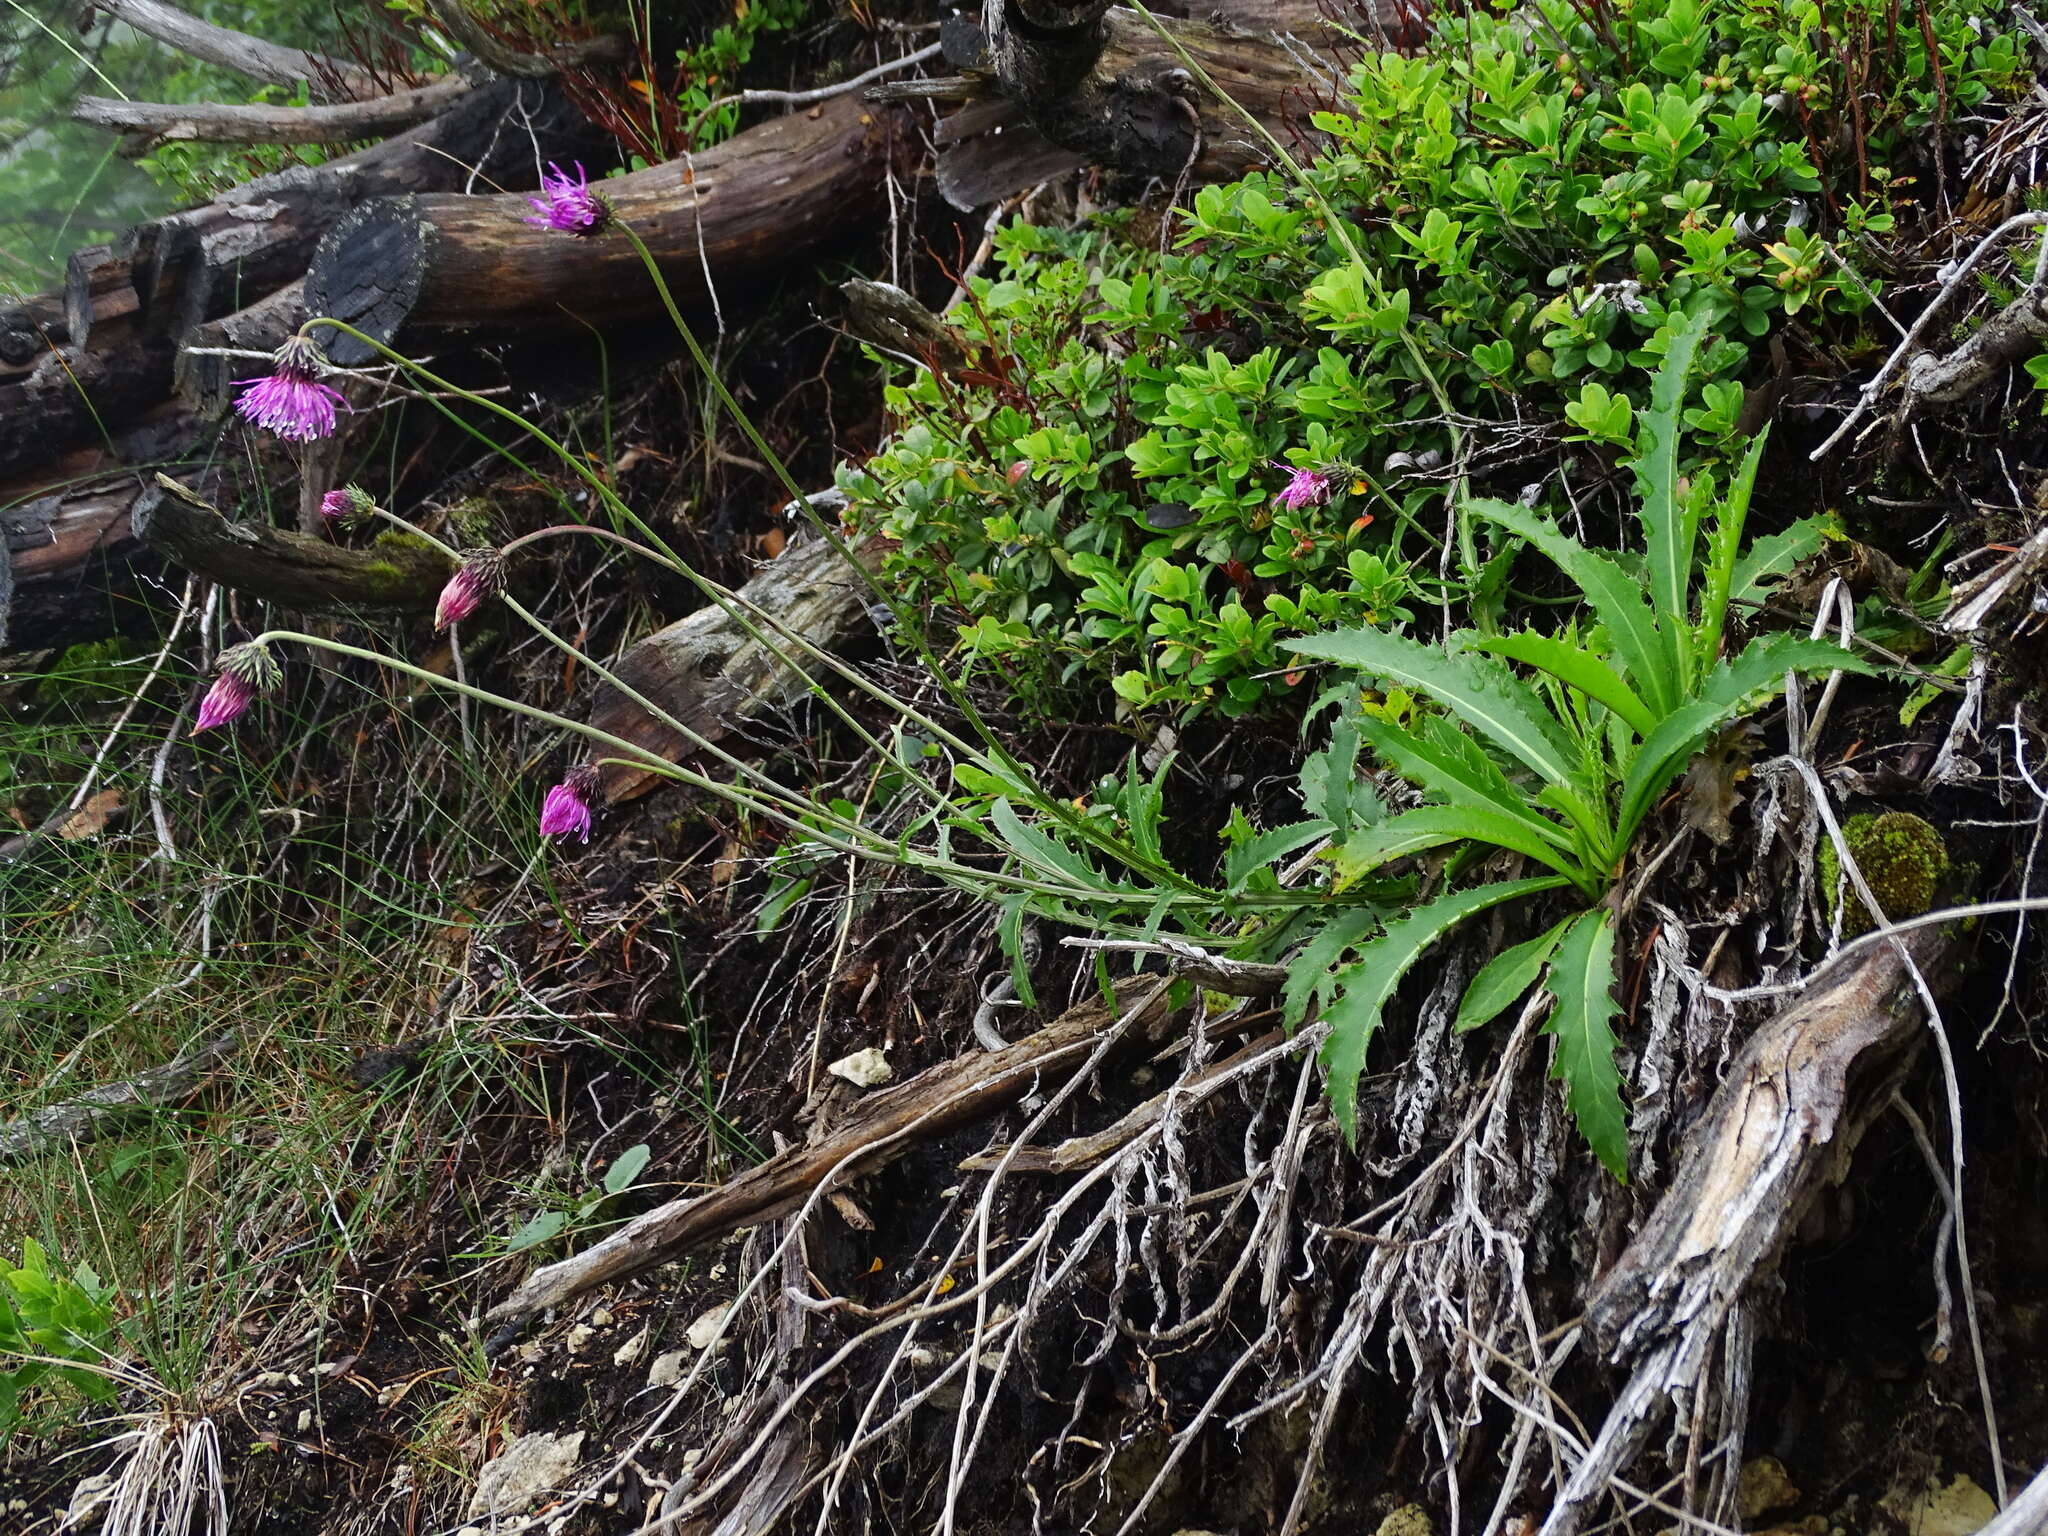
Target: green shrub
<point>1093,497</point>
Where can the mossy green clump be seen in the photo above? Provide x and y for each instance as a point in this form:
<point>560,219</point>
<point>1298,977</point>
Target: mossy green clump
<point>1900,854</point>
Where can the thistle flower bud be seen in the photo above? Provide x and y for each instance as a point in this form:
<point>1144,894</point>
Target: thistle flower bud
<point>480,578</point>
<point>245,671</point>
<point>348,508</point>
<point>566,811</point>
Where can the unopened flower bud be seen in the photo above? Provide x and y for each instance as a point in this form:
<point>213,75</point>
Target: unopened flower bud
<point>480,578</point>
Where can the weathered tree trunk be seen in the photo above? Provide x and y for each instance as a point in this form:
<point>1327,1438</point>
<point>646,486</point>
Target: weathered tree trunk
<point>708,673</point>
<point>201,263</point>
<point>66,559</point>
<point>145,125</point>
<point>396,268</point>
<point>331,79</point>
<point>296,570</point>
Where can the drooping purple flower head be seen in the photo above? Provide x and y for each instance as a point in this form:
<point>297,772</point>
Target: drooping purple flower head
<point>480,578</point>
<point>245,671</point>
<point>349,507</point>
<point>569,206</point>
<point>566,811</point>
<point>1305,488</point>
<point>290,400</point>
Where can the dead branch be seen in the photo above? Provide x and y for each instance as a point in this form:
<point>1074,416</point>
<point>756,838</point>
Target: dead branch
<point>147,124</point>
<point>98,1109</point>
<point>1078,1153</point>
<point>708,673</point>
<point>936,1101</point>
<point>299,572</point>
<point>1780,1128</point>
<point>245,55</point>
<point>2013,333</point>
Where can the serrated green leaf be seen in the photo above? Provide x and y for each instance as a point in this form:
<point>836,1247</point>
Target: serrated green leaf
<point>1729,690</point>
<point>1010,936</point>
<point>1444,762</point>
<point>1257,852</point>
<point>1669,520</point>
<point>1311,971</point>
<point>1480,691</point>
<point>1576,667</point>
<point>1358,993</point>
<point>1615,596</point>
<point>1582,981</point>
<point>1504,978</point>
<point>1776,555</point>
<point>1036,849</point>
<point>1432,826</point>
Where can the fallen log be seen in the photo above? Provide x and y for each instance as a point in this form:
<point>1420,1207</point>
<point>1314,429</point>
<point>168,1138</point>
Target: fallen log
<point>204,376</point>
<point>300,572</point>
<point>58,554</point>
<point>1780,1128</point>
<point>709,674</point>
<point>397,267</point>
<point>883,1126</point>
<point>198,264</point>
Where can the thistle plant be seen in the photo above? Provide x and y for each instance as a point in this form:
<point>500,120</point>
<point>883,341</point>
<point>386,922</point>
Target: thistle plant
<point>1562,764</point>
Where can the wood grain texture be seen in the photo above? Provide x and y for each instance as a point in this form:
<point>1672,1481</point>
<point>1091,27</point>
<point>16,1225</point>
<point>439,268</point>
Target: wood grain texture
<point>708,673</point>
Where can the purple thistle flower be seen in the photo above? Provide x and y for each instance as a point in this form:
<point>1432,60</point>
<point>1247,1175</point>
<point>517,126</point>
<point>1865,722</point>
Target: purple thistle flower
<point>290,400</point>
<point>245,671</point>
<point>1305,488</point>
<point>349,507</point>
<point>566,810</point>
<point>480,578</point>
<point>569,207</point>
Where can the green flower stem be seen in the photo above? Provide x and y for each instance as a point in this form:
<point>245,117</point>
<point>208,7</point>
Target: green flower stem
<point>702,743</point>
<point>997,757</point>
<point>910,622</point>
<point>595,532</point>
<point>870,846</point>
<point>730,602</point>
